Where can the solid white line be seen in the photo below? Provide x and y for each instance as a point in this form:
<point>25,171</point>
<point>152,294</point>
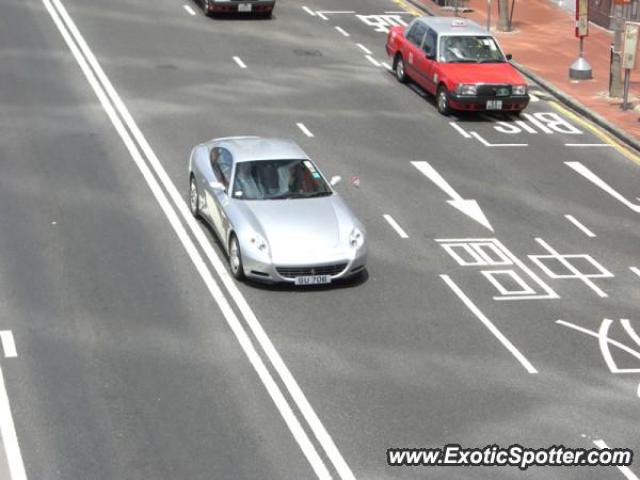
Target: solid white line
<point>586,231</point>
<point>591,333</point>
<point>395,226</point>
<point>373,60</point>
<point>189,9</point>
<point>364,49</point>
<point>8,344</point>
<point>492,328</point>
<point>487,144</point>
<point>309,11</point>
<point>635,270</point>
<point>324,17</point>
<point>342,31</point>
<point>626,471</point>
<point>587,145</point>
<point>9,437</point>
<point>304,129</point>
<point>240,63</point>
<point>245,342</point>
<point>460,130</point>
<point>387,66</point>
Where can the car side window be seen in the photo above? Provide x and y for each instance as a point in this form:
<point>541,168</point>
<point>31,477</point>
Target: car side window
<point>222,164</point>
<point>430,42</point>
<point>417,34</point>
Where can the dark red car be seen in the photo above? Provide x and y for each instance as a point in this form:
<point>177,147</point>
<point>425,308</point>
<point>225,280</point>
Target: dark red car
<point>259,7</point>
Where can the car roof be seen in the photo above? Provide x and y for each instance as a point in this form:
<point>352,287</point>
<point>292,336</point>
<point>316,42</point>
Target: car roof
<point>453,26</point>
<point>258,148</point>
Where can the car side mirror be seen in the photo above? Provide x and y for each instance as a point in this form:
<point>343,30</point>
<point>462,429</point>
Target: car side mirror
<point>335,180</point>
<point>217,186</point>
<point>509,56</point>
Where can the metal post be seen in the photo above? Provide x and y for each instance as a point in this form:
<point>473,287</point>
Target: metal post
<point>580,69</point>
<point>625,99</point>
<point>488,15</point>
<point>615,87</point>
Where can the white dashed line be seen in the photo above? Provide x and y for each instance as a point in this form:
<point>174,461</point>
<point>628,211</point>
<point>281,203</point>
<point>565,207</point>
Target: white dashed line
<point>240,63</point>
<point>189,9</point>
<point>489,324</point>
<point>460,130</point>
<point>364,49</point>
<point>342,31</point>
<point>395,226</point>
<point>305,130</point>
<point>309,11</point>
<point>635,270</point>
<point>586,231</point>
<point>373,60</point>
<point>626,471</point>
<point>387,66</point>
<point>8,345</point>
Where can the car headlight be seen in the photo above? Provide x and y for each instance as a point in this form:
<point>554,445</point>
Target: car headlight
<point>356,239</point>
<point>519,90</point>
<point>467,89</point>
<point>259,243</point>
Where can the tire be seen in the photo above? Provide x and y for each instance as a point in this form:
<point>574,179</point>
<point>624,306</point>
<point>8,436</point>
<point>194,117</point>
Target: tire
<point>442,101</point>
<point>401,74</point>
<point>235,259</point>
<point>194,205</point>
<point>205,7</point>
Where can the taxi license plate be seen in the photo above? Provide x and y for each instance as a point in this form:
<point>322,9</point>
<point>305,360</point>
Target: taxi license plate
<point>494,104</point>
<point>313,280</point>
<point>244,7</point>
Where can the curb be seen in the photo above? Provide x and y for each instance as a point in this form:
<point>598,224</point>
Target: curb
<point>570,102</point>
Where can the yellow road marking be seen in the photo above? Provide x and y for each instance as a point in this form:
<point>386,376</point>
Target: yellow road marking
<point>598,132</point>
<point>409,8</point>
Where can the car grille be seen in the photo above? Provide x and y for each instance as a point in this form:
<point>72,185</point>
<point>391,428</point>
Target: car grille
<point>494,90</point>
<point>293,272</point>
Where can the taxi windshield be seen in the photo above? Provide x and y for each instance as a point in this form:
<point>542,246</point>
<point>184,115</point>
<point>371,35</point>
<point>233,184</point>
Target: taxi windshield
<point>470,49</point>
<point>278,180</point>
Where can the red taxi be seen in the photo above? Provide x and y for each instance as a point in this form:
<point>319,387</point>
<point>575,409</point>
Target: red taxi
<point>459,62</point>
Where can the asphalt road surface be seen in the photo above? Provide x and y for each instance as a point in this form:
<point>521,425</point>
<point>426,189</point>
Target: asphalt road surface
<point>138,357</point>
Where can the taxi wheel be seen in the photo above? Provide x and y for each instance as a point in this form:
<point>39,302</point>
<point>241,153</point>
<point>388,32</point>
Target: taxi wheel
<point>442,100</point>
<point>205,7</point>
<point>399,69</point>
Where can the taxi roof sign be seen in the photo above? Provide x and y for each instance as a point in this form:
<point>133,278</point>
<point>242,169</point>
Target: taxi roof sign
<point>458,23</point>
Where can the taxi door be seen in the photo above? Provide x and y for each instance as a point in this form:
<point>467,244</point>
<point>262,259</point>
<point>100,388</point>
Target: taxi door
<point>426,62</point>
<point>413,51</point>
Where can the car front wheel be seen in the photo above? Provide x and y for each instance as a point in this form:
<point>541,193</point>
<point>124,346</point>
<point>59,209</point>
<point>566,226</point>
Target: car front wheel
<point>442,100</point>
<point>205,7</point>
<point>401,75</point>
<point>235,259</point>
<point>193,197</point>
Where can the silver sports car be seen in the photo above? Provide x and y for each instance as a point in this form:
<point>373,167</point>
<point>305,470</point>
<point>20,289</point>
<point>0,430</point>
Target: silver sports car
<point>276,215</point>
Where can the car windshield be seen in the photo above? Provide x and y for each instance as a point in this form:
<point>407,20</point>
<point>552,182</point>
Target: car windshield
<point>470,49</point>
<point>278,179</point>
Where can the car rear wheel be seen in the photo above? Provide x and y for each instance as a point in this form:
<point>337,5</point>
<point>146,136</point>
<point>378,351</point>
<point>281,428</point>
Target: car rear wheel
<point>401,75</point>
<point>193,197</point>
<point>442,100</point>
<point>205,7</point>
<point>235,259</point>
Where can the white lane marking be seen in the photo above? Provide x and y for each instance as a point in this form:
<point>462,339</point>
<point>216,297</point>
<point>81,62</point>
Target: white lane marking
<point>533,98</point>
<point>487,323</point>
<point>537,123</point>
<point>575,221</point>
<point>487,144</point>
<point>9,436</point>
<point>626,471</point>
<point>588,145</point>
<point>342,31</point>
<point>592,177</point>
<point>322,16</point>
<point>189,9</point>
<point>239,61</point>
<point>635,270</point>
<point>243,338</point>
<point>387,66</point>
<point>373,60</point>
<point>364,49</point>
<point>390,220</point>
<point>309,11</point>
<point>460,130</point>
<point>304,129</point>
<point>8,344</point>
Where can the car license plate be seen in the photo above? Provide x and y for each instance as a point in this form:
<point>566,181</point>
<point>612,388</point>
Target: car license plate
<point>313,280</point>
<point>494,104</point>
<point>244,7</point>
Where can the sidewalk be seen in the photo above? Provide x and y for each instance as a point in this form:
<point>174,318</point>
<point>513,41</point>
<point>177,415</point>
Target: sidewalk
<point>544,44</point>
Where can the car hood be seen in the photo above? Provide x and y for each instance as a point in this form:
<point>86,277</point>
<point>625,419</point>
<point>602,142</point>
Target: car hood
<point>300,228</point>
<point>482,73</point>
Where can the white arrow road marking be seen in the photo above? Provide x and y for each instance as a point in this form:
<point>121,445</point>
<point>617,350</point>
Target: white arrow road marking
<point>468,207</point>
<point>8,345</point>
<point>626,471</point>
<point>592,177</point>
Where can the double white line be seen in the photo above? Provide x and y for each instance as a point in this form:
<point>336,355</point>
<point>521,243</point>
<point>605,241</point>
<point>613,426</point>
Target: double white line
<point>177,212</point>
